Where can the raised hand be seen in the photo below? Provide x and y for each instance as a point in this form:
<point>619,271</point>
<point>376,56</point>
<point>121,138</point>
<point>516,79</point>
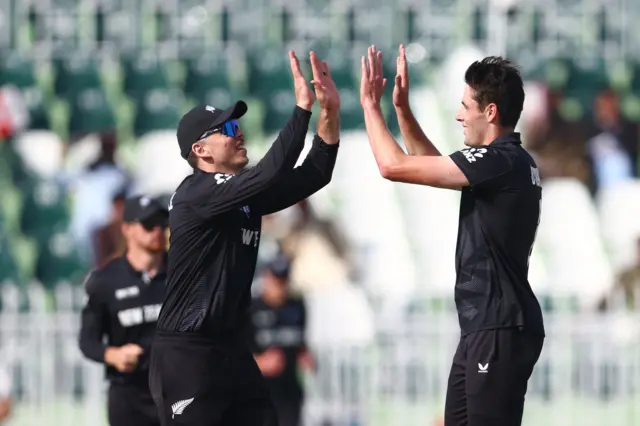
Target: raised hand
<point>401,87</point>
<point>372,83</point>
<point>304,95</point>
<point>326,90</point>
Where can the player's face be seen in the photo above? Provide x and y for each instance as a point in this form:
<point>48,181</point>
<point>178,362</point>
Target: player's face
<point>227,150</point>
<point>274,287</point>
<point>474,121</point>
<point>148,235</point>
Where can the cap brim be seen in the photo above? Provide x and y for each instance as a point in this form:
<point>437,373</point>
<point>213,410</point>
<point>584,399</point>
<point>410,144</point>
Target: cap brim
<point>158,211</point>
<point>234,112</point>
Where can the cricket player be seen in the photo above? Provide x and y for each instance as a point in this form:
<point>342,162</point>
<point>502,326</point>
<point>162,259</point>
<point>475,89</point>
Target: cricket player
<point>203,371</point>
<point>501,323</point>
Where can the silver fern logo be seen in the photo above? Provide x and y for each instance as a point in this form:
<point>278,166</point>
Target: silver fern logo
<point>179,407</point>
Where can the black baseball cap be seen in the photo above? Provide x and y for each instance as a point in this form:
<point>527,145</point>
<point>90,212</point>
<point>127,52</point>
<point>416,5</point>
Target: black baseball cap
<point>280,267</point>
<point>143,208</point>
<point>202,118</point>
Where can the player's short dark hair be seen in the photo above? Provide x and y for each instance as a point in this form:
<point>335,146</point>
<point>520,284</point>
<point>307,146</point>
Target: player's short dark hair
<point>497,80</point>
<point>192,160</point>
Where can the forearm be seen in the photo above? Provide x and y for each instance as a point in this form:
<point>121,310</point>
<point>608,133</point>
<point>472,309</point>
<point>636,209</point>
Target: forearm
<point>416,141</point>
<point>329,126</point>
<point>94,350</point>
<point>312,175</point>
<point>286,149</point>
<point>385,149</point>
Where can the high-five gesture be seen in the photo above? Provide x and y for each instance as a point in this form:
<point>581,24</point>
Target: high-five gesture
<point>326,91</point>
<point>401,87</point>
<point>304,95</point>
<point>372,83</point>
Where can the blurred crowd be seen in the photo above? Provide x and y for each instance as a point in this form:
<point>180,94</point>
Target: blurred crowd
<point>600,148</point>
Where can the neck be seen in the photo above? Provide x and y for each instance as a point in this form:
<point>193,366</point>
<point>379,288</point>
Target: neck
<point>495,132</point>
<point>216,168</point>
<point>143,260</point>
<point>273,301</point>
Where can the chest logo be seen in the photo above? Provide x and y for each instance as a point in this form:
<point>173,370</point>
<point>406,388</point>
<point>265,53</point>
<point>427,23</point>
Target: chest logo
<point>125,293</point>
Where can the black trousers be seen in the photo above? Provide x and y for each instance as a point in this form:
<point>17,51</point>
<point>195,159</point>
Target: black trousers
<point>288,408</point>
<point>489,377</point>
<point>131,405</point>
<point>199,382</point>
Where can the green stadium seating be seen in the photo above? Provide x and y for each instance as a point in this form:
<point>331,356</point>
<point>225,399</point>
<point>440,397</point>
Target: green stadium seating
<point>59,262</point>
<point>158,110</point>
<point>143,73</point>
<point>270,80</point>
<point>18,69</point>
<point>76,73</point>
<point>213,79</point>
<point>90,111</point>
<point>45,209</point>
<point>9,270</point>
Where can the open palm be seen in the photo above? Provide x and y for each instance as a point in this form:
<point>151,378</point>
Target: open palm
<point>326,90</point>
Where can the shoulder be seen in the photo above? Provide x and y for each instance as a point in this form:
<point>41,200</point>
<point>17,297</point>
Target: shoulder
<point>99,279</point>
<point>297,303</point>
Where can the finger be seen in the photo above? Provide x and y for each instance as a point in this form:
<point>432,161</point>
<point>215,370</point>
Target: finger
<point>316,66</point>
<point>402,69</point>
<point>365,74</point>
<point>379,64</point>
<point>295,65</point>
<point>325,68</point>
<point>371,63</point>
<point>384,83</point>
<point>398,81</point>
<point>318,85</point>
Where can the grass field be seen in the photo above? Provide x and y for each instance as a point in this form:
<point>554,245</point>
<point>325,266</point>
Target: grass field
<point>559,412</point>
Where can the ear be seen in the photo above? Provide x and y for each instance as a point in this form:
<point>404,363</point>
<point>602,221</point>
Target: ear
<point>491,113</point>
<point>200,149</point>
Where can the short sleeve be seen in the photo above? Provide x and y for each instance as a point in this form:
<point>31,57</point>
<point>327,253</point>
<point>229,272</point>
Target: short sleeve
<point>483,165</point>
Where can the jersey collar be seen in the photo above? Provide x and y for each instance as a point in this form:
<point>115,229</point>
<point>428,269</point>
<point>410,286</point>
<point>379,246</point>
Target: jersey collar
<point>513,137</point>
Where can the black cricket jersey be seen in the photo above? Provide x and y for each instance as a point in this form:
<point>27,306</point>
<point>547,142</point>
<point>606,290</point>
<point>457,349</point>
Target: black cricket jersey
<point>499,216</point>
<point>215,221</point>
<point>122,306</point>
<point>282,328</point>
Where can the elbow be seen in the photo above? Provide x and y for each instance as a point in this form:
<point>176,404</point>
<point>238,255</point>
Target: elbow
<point>388,171</point>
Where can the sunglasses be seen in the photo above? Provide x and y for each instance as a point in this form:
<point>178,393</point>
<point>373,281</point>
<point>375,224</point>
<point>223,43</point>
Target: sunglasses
<point>228,128</point>
<point>150,224</point>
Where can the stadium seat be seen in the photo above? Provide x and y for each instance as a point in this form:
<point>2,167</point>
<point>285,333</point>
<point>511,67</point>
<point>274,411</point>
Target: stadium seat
<point>215,78</point>
<point>19,70</point>
<point>90,112</point>
<point>58,261</point>
<point>381,233</point>
<point>40,151</point>
<point>157,110</point>
<point>8,267</point>
<point>619,210</point>
<point>159,168</point>
<point>143,73</point>
<point>76,73</point>
<point>45,209</point>
<point>569,237</point>
<point>270,80</point>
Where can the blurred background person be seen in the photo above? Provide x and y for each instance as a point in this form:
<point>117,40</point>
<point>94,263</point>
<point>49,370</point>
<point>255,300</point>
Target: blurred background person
<point>124,300</point>
<point>93,191</point>
<point>277,339</point>
<point>108,241</point>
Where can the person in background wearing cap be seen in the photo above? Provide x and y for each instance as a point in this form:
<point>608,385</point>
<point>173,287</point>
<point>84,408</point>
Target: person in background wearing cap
<point>124,298</point>
<point>202,370</point>
<point>277,339</point>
